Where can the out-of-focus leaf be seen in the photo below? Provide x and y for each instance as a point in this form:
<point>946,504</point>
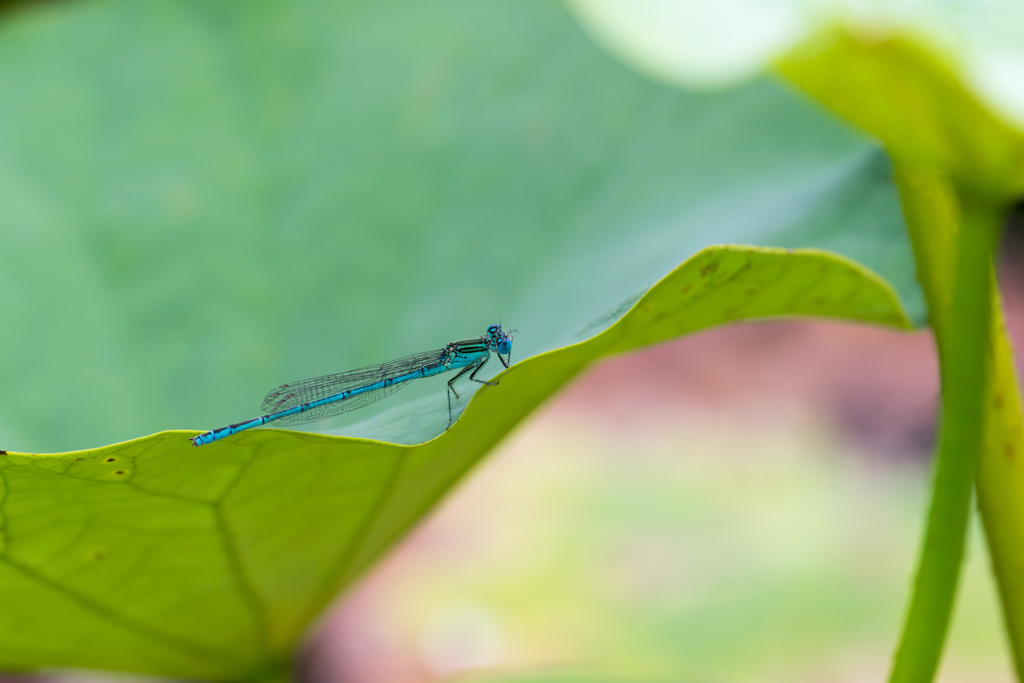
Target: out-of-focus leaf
<point>916,104</point>
<point>718,43</point>
<point>202,201</point>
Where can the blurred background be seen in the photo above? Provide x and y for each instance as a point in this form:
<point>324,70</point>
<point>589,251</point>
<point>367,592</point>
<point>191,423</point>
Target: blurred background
<point>741,505</point>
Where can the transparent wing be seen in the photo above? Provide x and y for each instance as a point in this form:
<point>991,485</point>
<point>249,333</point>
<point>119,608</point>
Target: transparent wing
<point>339,407</point>
<point>308,390</point>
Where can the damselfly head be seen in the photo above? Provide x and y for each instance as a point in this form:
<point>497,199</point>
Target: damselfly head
<point>497,338</point>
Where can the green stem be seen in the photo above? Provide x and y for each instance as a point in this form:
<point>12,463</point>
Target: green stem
<point>962,336</point>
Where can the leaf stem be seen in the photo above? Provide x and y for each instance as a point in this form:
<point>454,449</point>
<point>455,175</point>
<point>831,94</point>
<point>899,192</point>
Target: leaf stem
<point>962,338</point>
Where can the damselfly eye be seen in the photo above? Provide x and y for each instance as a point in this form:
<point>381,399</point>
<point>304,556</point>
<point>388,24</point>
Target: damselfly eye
<point>493,329</point>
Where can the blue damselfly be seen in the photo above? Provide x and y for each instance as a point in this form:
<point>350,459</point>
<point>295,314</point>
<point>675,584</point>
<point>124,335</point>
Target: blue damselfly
<point>321,397</point>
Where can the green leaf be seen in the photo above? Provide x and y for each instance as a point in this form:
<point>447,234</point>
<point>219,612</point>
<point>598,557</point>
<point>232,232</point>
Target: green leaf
<point>915,102</point>
<point>158,557</point>
<point>272,191</point>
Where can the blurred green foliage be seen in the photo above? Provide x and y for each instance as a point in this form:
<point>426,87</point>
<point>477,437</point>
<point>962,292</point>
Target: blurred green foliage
<point>202,201</point>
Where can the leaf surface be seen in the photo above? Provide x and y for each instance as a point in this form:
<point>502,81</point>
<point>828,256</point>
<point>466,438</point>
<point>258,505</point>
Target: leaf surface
<point>210,562</point>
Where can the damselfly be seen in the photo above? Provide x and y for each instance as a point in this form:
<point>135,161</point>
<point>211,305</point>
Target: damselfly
<point>321,397</point>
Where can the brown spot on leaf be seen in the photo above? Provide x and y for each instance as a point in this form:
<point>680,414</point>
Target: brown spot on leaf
<point>3,452</point>
<point>997,401</point>
<point>685,289</point>
<point>100,555</point>
<point>119,472</point>
<point>111,459</point>
<point>1008,451</point>
<point>818,301</point>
